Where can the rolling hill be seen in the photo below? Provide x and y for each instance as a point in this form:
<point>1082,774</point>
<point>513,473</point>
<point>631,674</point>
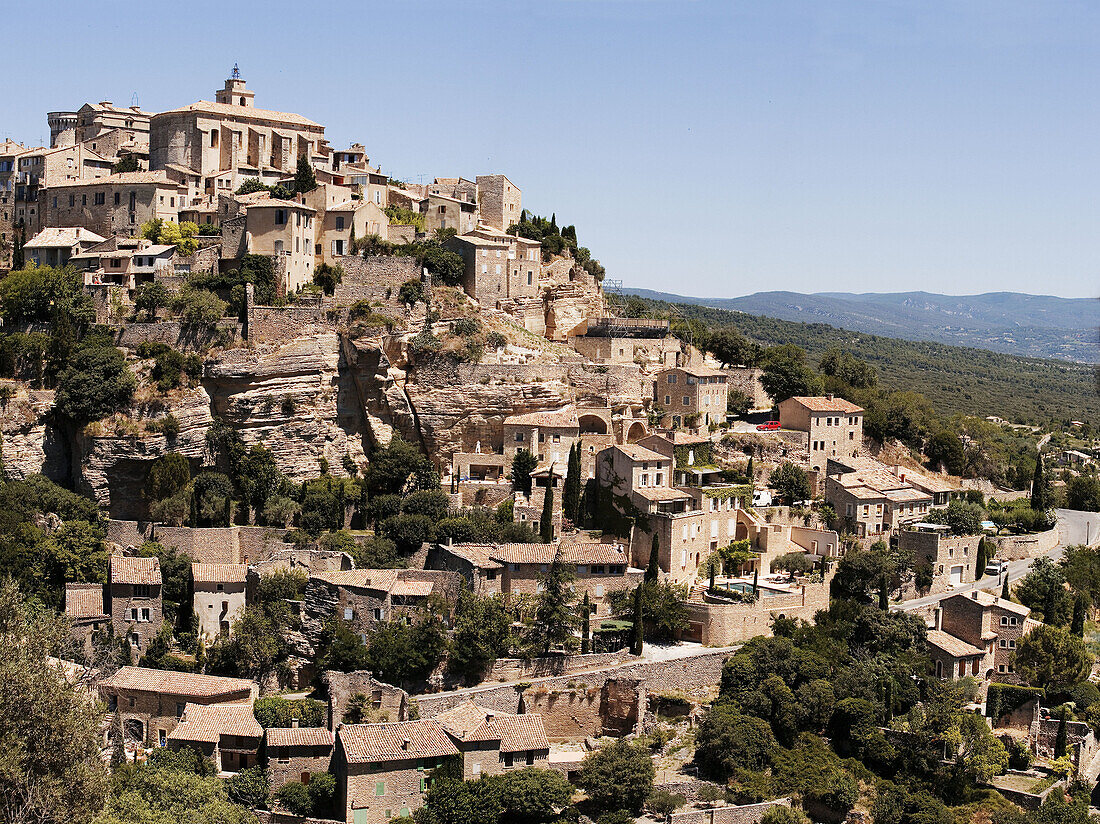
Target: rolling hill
<point>1031,325</point>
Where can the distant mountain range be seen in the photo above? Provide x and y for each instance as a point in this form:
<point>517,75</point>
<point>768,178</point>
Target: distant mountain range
<point>1010,322</point>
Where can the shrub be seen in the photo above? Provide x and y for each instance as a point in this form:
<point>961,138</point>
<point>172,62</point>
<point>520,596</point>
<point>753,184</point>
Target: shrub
<point>295,797</point>
<point>465,327</point>
<point>412,292</point>
<point>198,307</point>
<point>96,383</point>
<point>495,340</point>
<point>662,803</point>
<point>274,711</point>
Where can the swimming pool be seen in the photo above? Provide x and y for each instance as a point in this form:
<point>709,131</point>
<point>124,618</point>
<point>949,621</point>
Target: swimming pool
<point>737,586</point>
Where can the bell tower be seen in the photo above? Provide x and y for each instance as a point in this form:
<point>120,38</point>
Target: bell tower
<point>235,93</point>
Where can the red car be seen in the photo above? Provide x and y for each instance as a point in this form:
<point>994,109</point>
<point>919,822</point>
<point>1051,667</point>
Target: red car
<point>767,426</point>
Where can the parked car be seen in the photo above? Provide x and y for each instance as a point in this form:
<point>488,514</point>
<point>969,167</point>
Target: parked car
<point>996,567</point>
<point>767,426</point>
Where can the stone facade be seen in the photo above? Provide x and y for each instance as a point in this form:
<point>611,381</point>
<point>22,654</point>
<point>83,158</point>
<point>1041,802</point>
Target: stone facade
<point>951,557</point>
<point>691,393</point>
<point>746,379</point>
<point>500,200</point>
<point>616,707</point>
<point>387,702</point>
<point>290,755</point>
<point>834,426</point>
<point>375,278</point>
<point>713,621</point>
<point>114,205</point>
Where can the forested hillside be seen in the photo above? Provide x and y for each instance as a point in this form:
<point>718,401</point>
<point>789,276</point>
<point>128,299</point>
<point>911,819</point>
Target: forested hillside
<point>955,379</point>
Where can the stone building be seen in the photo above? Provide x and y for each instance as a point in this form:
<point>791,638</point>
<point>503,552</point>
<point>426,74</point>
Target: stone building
<point>951,558</point>
<point>229,140</point>
<point>134,600</point>
<point>746,380</point>
<point>382,770</point>
<point>218,596</point>
<point>9,154</point>
<point>692,396</point>
<point>376,699</point>
<point>259,224</point>
<point>500,200</point>
<point>343,222</point>
<point>992,625</point>
<point>39,170</point>
<point>872,498</point>
<point>492,742</point>
<point>293,753</point>
<point>56,247</point>
<point>443,212</point>
<point>834,426</point>
<point>626,340</point>
<point>125,262</point>
<point>85,612</point>
<point>96,119</point>
<point>499,266</point>
<point>229,734</point>
<point>151,702</point>
<point>117,204</point>
<point>547,435</point>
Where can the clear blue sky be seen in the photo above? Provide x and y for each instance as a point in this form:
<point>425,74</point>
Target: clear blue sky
<point>703,148</point>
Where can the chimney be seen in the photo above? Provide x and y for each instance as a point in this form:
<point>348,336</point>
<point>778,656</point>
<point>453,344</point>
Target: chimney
<point>829,396</point>
<point>974,594</point>
<point>404,743</point>
<point>939,618</point>
<point>294,723</point>
<point>489,716</point>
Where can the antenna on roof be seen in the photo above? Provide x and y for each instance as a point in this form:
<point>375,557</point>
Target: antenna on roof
<point>236,72</point>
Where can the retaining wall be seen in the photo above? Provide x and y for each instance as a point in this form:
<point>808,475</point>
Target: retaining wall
<point>745,814</point>
<point>1018,547</point>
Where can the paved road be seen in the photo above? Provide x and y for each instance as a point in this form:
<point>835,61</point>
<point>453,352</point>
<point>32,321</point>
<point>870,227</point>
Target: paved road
<point>1073,527</point>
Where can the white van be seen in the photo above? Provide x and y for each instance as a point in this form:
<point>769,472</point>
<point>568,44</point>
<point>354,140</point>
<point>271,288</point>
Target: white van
<point>762,497</point>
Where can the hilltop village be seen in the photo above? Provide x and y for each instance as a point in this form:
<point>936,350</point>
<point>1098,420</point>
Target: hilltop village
<point>354,493</point>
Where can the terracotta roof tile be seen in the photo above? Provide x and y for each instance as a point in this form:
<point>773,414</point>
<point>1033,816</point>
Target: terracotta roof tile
<point>412,588</point>
<point>519,732</point>
<point>372,743</point>
<point>524,553</point>
<point>208,722</point>
<point>84,600</point>
<point>823,404</point>
<point>564,418</point>
<point>640,453</point>
<point>592,553</point>
<point>381,580</point>
<point>955,647</point>
<point>660,493</point>
<point>183,684</point>
<point>58,237</point>
<point>298,737</point>
<point>219,573</point>
<point>130,570</point>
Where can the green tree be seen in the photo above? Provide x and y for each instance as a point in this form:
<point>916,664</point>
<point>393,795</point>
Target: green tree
<point>96,383</point>
<point>786,373</point>
<point>981,560</point>
<point>399,468</point>
<point>546,519</point>
<point>794,563</point>
<point>1080,614</point>
<point>523,464</point>
<point>554,618</point>
<point>728,740</point>
<point>168,474</point>
<point>304,178</point>
<point>151,297</point>
<point>790,482</point>
<point>251,787</point>
<point>785,815</point>
<point>198,307</point>
<point>571,492</point>
<point>1061,737</point>
<point>945,450</point>
<point>532,795</point>
<point>279,712</point>
<point>1042,495</point>
<point>732,348</point>
<point>1043,589</point>
<point>1051,657</point>
<point>586,624</point>
<point>653,569</point>
<point>1083,492</point>
<point>638,637</point>
<point>480,633</point>
<point>406,653</point>
<point>618,776</point>
<point>250,186</point>
<point>847,369</point>
<point>50,765</point>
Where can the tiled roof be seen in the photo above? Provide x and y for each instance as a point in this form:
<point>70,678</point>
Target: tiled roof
<point>381,580</point>
<point>84,600</point>
<point>371,743</point>
<point>660,493</point>
<point>480,555</point>
<point>697,371</point>
<point>987,599</point>
<point>640,453</point>
<point>184,684</point>
<point>219,573</point>
<point>125,178</point>
<point>129,570</point>
<point>208,722</point>
<point>524,553</point>
<point>466,722</point>
<point>592,553</point>
<point>241,113</point>
<point>298,737</point>
<point>412,588</point>
<point>932,483</point>
<point>564,417</point>
<point>272,202</point>
<point>60,237</point>
<point>823,404</point>
<point>519,732</point>
<point>955,647</point>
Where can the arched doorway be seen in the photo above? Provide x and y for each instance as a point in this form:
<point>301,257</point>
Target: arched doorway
<point>636,432</point>
<point>592,425</point>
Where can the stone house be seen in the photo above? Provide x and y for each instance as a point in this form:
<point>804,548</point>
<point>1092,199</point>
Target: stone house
<point>125,262</point>
<point>384,702</point>
<point>443,212</point>
<point>39,170</point>
<point>218,597</point>
<point>85,612</point>
<point>626,340</point>
<point>292,753</point>
<point>492,742</point>
<point>940,487</point>
<point>57,246</point>
<point>229,140</point>
<point>952,558</point>
<point>547,435</point>
<point>953,657</point>
<point>834,426</point>
<point>227,733</point>
<point>115,205</point>
<point>259,224</point>
<point>499,266</point>
<point>382,769</point>
<point>134,599</point>
<point>151,702</point>
<point>500,200</point>
<point>872,498</point>
<point>991,624</point>
<point>692,396</point>
<point>347,220</point>
<point>94,120</point>
<point>9,154</point>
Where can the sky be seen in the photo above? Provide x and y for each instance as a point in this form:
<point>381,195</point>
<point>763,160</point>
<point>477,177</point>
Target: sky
<point>702,148</point>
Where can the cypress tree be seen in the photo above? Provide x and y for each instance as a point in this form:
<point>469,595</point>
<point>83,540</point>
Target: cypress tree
<point>639,631</point>
<point>1040,487</point>
<point>711,588</point>
<point>889,700</point>
<point>756,581</point>
<point>748,470</point>
<point>546,522</point>
<point>1080,610</point>
<point>1060,740</point>
<point>883,595</point>
<point>304,178</point>
<point>652,571</point>
<point>571,492</point>
<point>586,614</point>
<point>981,560</point>
<point>118,741</point>
<point>1006,593</point>
<point>19,259</point>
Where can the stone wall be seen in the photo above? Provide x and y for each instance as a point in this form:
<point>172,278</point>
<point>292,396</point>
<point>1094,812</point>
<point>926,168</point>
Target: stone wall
<point>226,332</point>
<point>716,623</point>
<point>745,814</point>
<point>386,699</point>
<point>277,324</point>
<point>378,277</point>
<point>208,545</point>
<point>514,669</point>
<point>694,675</point>
<point>581,710</point>
<point>29,445</point>
<point>1018,547</point>
<point>746,379</point>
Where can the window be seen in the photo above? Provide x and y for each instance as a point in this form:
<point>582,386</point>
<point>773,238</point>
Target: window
<point>348,613</point>
<point>140,590</point>
<point>135,642</point>
<point>687,400</point>
<point>145,615</point>
<point>340,223</point>
<point>645,479</point>
<point>280,217</point>
<point>508,758</point>
<point>672,379</point>
<point>162,736</point>
<point>519,437</point>
<point>83,200</point>
<point>133,614</point>
<point>379,789</point>
<point>112,703</point>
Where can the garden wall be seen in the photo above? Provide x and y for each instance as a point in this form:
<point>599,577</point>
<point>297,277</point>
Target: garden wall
<point>745,814</point>
<point>1018,547</point>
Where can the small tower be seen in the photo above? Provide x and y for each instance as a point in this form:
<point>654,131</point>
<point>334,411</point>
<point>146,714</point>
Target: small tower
<point>235,93</point>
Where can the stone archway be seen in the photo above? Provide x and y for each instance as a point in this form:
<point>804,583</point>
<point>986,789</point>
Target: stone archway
<point>636,432</point>
<point>592,425</point>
